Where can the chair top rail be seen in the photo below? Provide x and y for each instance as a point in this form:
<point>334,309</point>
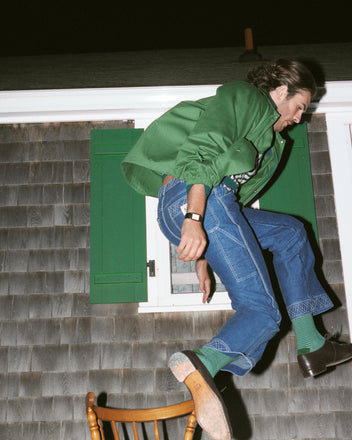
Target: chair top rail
<point>144,415</point>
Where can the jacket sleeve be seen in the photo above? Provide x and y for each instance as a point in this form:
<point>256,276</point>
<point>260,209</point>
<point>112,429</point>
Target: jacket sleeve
<point>217,145</point>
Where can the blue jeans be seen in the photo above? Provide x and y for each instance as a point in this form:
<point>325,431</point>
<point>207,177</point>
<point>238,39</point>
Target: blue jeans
<point>236,238</point>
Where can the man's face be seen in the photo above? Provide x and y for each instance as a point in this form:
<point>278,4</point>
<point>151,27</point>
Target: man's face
<point>290,108</point>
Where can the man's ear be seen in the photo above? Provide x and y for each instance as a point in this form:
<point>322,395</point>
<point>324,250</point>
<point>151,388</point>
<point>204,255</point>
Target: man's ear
<point>281,92</point>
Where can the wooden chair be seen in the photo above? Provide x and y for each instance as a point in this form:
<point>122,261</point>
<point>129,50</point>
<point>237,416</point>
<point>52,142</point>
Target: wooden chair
<point>119,418</point>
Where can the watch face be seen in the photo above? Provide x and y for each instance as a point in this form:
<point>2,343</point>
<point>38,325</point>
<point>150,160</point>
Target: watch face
<point>194,216</point>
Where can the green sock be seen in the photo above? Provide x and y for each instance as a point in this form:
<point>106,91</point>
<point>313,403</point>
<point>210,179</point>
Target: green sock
<point>213,360</point>
<point>307,336</point>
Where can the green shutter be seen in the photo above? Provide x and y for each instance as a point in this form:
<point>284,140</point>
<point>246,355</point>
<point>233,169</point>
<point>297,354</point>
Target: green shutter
<point>292,192</point>
<point>118,271</point>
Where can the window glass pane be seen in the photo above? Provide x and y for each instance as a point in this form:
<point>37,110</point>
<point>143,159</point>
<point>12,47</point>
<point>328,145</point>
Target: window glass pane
<point>183,275</point>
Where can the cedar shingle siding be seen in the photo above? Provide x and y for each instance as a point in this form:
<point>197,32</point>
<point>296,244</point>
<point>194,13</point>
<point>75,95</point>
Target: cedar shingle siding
<point>55,345</point>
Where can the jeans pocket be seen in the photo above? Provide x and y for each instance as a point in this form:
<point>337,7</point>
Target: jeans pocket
<point>175,215</point>
<point>172,198</point>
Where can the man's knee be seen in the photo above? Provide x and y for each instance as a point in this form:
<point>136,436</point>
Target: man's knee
<point>293,235</point>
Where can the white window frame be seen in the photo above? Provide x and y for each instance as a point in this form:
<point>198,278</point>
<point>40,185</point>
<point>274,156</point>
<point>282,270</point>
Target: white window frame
<point>143,105</point>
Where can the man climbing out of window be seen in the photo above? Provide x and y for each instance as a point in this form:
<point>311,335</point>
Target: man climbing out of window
<point>206,161</point>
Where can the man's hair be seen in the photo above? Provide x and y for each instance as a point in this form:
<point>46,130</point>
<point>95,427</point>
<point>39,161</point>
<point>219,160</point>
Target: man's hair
<point>294,74</point>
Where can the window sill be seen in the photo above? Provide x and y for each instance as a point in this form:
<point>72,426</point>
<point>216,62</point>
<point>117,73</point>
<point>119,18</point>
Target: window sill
<point>186,302</point>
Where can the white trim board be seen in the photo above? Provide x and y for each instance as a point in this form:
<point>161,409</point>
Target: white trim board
<point>340,148</point>
<point>142,104</point>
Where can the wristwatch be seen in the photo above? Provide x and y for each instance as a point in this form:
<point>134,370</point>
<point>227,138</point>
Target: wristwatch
<point>194,216</point>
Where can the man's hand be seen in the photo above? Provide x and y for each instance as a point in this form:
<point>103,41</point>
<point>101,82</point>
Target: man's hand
<point>203,277</point>
<point>193,241</point>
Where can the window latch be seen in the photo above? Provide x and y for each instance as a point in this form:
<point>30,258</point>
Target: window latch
<point>151,266</point>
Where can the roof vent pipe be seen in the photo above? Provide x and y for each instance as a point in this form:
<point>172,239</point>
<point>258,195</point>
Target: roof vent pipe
<point>250,54</point>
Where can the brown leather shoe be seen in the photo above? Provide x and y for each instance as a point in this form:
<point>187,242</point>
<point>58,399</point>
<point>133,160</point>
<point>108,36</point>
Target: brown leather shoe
<point>209,407</point>
<point>330,354</point>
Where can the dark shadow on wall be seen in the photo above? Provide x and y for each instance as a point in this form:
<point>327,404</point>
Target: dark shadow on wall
<point>101,401</point>
<point>241,426</point>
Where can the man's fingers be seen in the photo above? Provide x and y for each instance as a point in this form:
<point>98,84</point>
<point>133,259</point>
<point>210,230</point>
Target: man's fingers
<point>190,249</point>
<point>190,252</point>
<point>206,292</point>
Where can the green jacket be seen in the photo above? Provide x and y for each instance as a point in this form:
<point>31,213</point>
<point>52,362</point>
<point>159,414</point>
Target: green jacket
<point>203,141</point>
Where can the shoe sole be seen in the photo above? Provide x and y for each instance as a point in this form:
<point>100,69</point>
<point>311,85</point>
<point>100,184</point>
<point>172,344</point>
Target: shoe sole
<point>209,408</point>
<point>312,373</point>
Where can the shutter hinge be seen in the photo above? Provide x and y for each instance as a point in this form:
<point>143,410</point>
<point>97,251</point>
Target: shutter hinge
<point>151,266</point>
